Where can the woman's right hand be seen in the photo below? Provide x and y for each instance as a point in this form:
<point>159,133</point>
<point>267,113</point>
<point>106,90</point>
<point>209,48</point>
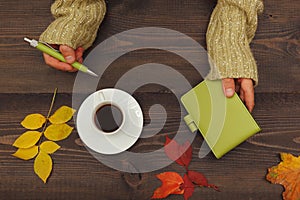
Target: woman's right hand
<point>69,54</point>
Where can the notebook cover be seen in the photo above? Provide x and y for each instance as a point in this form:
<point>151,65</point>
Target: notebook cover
<point>223,122</point>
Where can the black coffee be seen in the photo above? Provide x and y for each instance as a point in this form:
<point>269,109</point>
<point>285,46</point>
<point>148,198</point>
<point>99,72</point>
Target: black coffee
<point>108,118</point>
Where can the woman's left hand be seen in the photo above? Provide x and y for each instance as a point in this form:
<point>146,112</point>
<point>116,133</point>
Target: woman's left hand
<point>243,86</point>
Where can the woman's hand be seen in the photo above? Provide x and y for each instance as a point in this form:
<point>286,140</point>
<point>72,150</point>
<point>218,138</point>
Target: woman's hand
<point>243,86</point>
<point>69,54</point>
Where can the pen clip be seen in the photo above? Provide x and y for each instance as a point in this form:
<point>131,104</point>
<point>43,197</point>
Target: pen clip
<point>45,43</point>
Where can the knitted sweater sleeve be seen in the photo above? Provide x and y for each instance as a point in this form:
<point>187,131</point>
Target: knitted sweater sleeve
<point>76,22</point>
<point>231,28</point>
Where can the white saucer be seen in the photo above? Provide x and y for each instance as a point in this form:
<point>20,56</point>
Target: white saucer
<point>110,142</point>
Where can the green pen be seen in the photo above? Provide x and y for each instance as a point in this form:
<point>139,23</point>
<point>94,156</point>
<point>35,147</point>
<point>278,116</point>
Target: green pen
<point>52,52</point>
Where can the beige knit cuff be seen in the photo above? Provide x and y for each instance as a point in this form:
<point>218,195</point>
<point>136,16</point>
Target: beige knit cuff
<point>76,22</point>
<point>231,29</point>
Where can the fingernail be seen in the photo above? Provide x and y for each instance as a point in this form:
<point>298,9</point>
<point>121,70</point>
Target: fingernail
<point>229,92</point>
<point>69,58</point>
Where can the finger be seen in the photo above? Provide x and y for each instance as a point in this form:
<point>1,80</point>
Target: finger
<point>68,53</point>
<point>239,80</point>
<point>242,97</point>
<point>248,92</point>
<point>228,87</point>
<point>237,86</point>
<point>53,62</point>
<point>73,69</point>
<point>79,53</point>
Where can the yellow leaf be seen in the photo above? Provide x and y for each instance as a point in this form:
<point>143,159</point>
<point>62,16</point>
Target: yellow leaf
<point>33,121</point>
<point>62,115</point>
<point>27,154</point>
<point>27,139</point>
<point>43,165</point>
<point>57,132</point>
<point>49,147</point>
<point>287,173</point>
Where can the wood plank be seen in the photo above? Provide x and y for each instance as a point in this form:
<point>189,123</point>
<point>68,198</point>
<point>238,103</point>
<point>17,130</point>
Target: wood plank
<point>23,71</point>
<point>27,83</point>
<point>240,174</point>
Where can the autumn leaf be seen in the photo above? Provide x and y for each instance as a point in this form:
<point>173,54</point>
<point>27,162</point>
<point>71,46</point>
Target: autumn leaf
<point>287,173</point>
<point>33,121</point>
<point>200,180</point>
<point>188,187</point>
<point>27,154</point>
<point>43,166</point>
<point>27,139</point>
<point>57,132</point>
<point>49,147</point>
<point>171,148</point>
<point>197,178</point>
<point>182,154</point>
<point>171,184</point>
<point>186,152</point>
<point>62,115</point>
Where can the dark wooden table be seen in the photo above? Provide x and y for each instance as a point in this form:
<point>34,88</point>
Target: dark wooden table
<point>27,85</point>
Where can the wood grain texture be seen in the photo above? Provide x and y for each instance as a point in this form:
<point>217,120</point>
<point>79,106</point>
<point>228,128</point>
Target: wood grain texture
<point>275,47</point>
<point>240,174</point>
<point>27,84</point>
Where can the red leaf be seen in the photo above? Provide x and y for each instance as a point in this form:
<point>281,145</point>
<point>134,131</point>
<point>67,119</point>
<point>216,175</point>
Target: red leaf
<point>199,179</point>
<point>186,151</point>
<point>214,187</point>
<point>182,154</point>
<point>188,187</point>
<point>172,150</point>
<point>171,184</point>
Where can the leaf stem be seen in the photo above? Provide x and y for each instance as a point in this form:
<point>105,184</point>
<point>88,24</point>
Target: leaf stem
<point>49,113</point>
<point>52,102</point>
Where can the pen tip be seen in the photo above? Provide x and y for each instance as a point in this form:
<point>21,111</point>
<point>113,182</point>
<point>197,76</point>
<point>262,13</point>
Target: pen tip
<point>91,73</point>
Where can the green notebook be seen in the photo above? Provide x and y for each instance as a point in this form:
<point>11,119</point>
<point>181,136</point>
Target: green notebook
<point>223,122</point>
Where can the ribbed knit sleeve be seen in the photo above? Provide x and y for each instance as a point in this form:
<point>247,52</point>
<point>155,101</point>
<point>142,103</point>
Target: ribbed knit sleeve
<point>231,28</point>
<point>76,22</point>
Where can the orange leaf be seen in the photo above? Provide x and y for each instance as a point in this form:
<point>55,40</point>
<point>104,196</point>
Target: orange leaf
<point>287,173</point>
<point>171,184</point>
